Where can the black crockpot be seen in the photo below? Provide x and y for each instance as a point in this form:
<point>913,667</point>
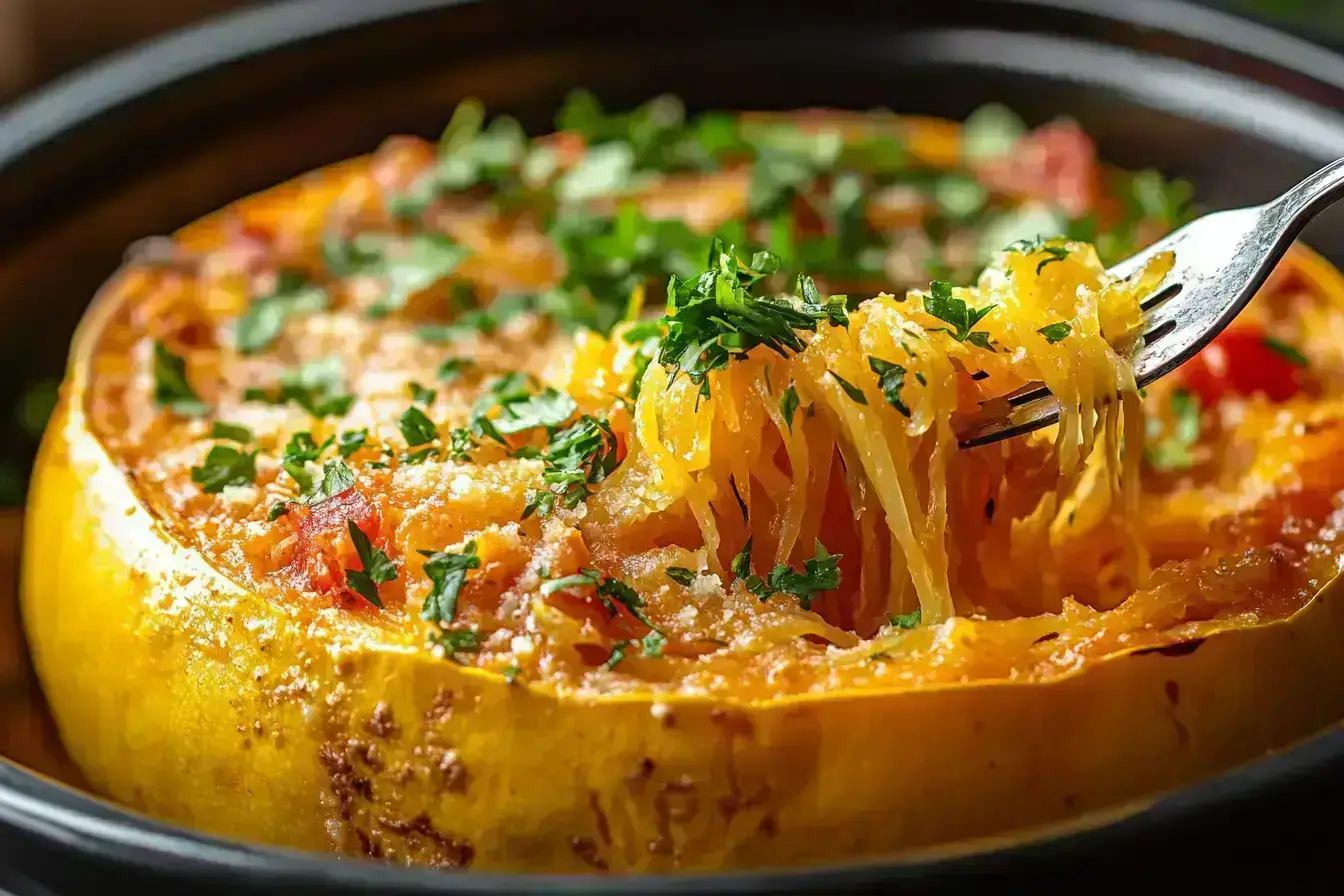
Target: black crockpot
<point>173,129</point>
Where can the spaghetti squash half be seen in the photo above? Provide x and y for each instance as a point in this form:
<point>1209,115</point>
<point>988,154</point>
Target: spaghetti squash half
<point>390,512</point>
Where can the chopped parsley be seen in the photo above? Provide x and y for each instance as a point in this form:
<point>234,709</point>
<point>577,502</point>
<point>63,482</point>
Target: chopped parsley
<point>350,441</point>
<point>378,568</point>
<point>617,654</point>
<point>940,303</point>
<point>460,445</point>
<point>511,673</point>
<point>854,392</point>
<point>905,620</point>
<point>891,379</point>
<point>1171,447</point>
<point>336,478</point>
<point>278,509</point>
<point>171,388</point>
<point>265,318</point>
<point>577,457</point>
<point>820,574</point>
<point>681,575</point>
<point>406,264</point>
<point>225,466</point>
<point>610,590</point>
<point>454,368</point>
<point>416,428</point>
<point>298,453</point>
<point>740,566</point>
<point>788,406</point>
<point>1038,245</point>
<point>714,316</point>
<point>1289,353</point>
<point>447,574</point>
<point>316,387</point>
<point>421,394</point>
<point>1055,332</point>
<point>456,640</point>
<point>520,409</point>
<point>231,432</point>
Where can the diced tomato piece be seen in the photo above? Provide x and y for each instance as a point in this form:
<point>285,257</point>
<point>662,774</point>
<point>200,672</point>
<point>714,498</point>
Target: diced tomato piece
<point>1242,360</point>
<point>1056,163</point>
<point>325,551</point>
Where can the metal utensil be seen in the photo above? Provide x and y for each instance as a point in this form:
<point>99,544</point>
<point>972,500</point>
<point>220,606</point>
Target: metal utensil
<point>1221,260</point>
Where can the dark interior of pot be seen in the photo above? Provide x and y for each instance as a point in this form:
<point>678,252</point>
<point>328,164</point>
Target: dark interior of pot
<point>74,193</point>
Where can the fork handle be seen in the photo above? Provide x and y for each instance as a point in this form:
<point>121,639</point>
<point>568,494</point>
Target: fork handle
<point>1309,198</point>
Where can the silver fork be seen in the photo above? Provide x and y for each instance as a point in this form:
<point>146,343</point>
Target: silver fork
<point>1221,260</point>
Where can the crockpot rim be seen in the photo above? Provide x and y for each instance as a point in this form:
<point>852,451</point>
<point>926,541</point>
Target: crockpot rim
<point>83,823</point>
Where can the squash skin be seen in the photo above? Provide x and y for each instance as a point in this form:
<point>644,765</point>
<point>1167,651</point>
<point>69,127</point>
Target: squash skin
<point>190,698</point>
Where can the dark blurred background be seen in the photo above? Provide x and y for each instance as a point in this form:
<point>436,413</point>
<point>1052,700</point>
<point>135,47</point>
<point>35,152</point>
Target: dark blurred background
<point>41,39</point>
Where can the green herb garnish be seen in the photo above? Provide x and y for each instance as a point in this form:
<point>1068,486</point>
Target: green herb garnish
<point>416,428</point>
<point>1055,332</point>
<point>1171,449</point>
<point>1289,353</point>
<point>577,457</point>
<point>420,394</point>
<point>456,640</point>
<point>378,568</point>
<point>854,392</point>
<point>681,575</point>
<point>905,620</point>
<point>225,466</point>
<point>231,432</point>
<point>336,478</point>
<point>171,388</point>
<point>447,573</point>
<point>406,264</point>
<point>891,379</point>
<point>940,303</point>
<point>350,441</point>
<point>714,316</point>
<point>265,318</point>
<point>820,574</point>
<point>788,405</point>
<point>454,368</point>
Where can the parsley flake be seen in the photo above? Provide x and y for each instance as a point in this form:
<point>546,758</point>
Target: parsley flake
<point>336,479</point>
<point>456,640</point>
<point>416,428</point>
<point>788,406</point>
<point>1171,448</point>
<point>420,394</point>
<point>231,432</point>
<point>681,575</point>
<point>350,441</point>
<point>1055,332</point>
<point>891,379</point>
<point>171,387</point>
<point>265,318</point>
<point>447,574</point>
<point>905,620</point>
<point>940,303</point>
<point>225,466</point>
<point>820,574</point>
<point>377,567</point>
<point>854,392</point>
<point>577,457</point>
<point>1288,352</point>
